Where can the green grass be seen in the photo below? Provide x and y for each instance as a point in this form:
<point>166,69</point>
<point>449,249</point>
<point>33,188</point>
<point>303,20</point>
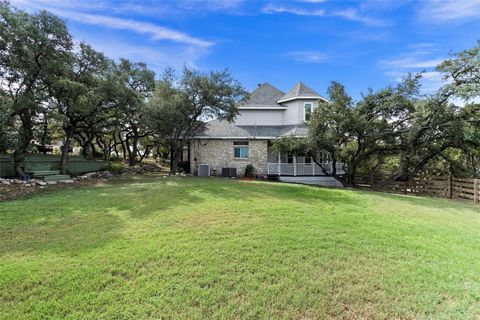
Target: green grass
<point>191,248</point>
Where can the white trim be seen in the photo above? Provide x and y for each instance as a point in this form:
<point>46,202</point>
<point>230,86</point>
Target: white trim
<point>304,113</point>
<point>245,138</point>
<point>263,108</point>
<point>304,98</point>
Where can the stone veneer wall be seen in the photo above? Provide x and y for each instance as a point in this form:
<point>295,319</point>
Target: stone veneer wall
<point>218,153</point>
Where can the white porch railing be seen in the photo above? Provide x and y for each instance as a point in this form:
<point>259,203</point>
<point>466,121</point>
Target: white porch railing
<point>302,169</point>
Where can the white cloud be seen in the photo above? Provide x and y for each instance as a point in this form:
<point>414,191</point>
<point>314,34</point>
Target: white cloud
<point>421,57</point>
<point>448,10</point>
<point>156,32</point>
<point>292,10</point>
<point>308,56</point>
<point>311,1</point>
<point>432,75</point>
<point>169,48</point>
<point>157,57</point>
<point>210,5</point>
<point>411,63</point>
<point>431,80</point>
<point>351,14</point>
<point>151,8</point>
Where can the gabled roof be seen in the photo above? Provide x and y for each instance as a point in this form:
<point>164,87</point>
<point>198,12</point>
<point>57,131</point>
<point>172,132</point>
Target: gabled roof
<point>263,95</point>
<point>221,129</point>
<point>300,91</point>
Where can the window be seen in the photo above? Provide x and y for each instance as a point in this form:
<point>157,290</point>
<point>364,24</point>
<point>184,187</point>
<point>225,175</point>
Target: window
<point>240,149</point>
<point>289,159</point>
<point>324,157</point>
<point>308,160</point>
<point>308,111</point>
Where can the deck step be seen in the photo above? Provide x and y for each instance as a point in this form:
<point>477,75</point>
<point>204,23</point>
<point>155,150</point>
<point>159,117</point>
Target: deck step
<point>56,177</point>
<point>43,173</point>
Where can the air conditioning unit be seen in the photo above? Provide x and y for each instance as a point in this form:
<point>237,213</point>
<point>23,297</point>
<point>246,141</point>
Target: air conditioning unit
<point>229,172</point>
<point>203,170</point>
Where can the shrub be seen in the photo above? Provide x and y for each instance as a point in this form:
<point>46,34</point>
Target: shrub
<point>115,166</point>
<point>249,171</point>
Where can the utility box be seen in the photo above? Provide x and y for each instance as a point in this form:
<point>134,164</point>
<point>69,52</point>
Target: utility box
<point>203,170</point>
<point>229,172</point>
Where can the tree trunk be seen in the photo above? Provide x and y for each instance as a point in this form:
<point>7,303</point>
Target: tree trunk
<point>333,174</point>
<point>45,131</point>
<point>145,154</point>
<point>94,152</point>
<point>69,130</point>
<point>115,149</point>
<point>352,170</point>
<point>132,153</point>
<point>18,160</point>
<point>176,155</point>
<point>26,136</point>
<point>124,151</point>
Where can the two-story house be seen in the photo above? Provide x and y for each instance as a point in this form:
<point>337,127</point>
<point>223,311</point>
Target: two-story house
<point>268,114</point>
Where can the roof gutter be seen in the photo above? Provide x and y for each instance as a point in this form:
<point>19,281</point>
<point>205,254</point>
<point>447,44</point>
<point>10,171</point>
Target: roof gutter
<point>303,98</point>
<point>262,108</point>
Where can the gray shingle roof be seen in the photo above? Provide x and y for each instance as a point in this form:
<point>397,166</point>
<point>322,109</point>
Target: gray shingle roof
<point>264,95</point>
<point>300,90</point>
<point>224,129</point>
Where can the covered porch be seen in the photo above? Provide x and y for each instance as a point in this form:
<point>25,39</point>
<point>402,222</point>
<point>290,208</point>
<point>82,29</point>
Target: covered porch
<point>300,165</point>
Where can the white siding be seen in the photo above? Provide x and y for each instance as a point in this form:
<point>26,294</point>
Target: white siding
<point>260,117</point>
<point>294,114</point>
<point>295,111</point>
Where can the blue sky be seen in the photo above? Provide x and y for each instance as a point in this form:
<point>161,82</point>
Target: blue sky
<point>362,44</point>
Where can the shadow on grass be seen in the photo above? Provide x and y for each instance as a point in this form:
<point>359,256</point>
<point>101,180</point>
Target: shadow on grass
<point>250,191</point>
<point>425,201</point>
<point>71,221</point>
<point>74,220</point>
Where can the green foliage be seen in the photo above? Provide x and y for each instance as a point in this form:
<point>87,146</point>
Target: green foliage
<point>33,51</point>
<point>179,108</point>
<point>249,171</point>
<point>397,130</point>
<point>7,128</point>
<point>115,166</point>
<point>136,84</point>
<point>462,70</point>
<point>291,145</point>
<point>52,89</point>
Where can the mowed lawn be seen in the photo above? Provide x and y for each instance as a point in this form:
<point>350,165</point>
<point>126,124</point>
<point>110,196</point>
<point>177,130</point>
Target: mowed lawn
<point>193,248</point>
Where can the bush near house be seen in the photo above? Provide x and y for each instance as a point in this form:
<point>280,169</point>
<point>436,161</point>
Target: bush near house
<point>249,171</point>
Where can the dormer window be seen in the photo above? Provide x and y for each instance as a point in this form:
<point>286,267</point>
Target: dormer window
<point>307,107</point>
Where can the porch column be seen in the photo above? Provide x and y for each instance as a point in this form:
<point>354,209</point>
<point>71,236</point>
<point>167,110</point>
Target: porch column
<point>313,167</point>
<point>279,166</point>
<point>295,165</point>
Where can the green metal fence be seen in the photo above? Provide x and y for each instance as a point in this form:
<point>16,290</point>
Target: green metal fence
<point>39,162</point>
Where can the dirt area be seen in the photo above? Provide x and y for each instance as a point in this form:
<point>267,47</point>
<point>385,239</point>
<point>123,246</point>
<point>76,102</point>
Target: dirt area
<point>13,188</point>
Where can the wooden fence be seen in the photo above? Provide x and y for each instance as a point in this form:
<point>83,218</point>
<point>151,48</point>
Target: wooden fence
<point>435,186</point>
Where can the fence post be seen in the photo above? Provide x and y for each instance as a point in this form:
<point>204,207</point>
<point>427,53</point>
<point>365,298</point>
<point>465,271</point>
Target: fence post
<point>449,186</point>
<point>279,164</point>
<point>475,190</point>
<point>295,165</point>
<point>372,181</point>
